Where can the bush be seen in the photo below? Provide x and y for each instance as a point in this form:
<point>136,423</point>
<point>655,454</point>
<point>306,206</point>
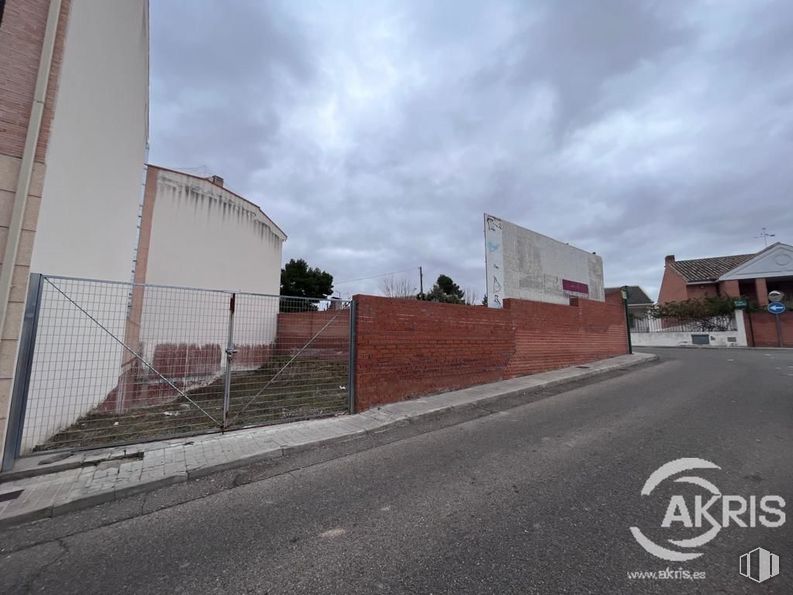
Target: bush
<point>705,314</point>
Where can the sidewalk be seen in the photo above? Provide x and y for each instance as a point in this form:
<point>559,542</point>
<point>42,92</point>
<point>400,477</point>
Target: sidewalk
<point>38,488</point>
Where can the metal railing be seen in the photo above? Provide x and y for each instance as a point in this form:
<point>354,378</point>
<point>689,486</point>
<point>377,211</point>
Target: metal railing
<point>107,363</point>
<point>649,324</point>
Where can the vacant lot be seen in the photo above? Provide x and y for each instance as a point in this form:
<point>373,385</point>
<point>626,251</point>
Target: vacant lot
<point>275,393</point>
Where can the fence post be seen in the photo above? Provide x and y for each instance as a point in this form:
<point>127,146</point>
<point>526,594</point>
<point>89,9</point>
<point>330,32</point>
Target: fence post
<point>624,292</point>
<point>230,351</point>
<point>19,394</point>
<point>351,366</point>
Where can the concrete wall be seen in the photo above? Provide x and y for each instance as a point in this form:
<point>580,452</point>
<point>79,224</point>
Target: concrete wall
<point>407,348</point>
<point>523,264</point>
<point>196,233</point>
<point>92,187</point>
<point>204,235</point>
<point>680,339</point>
<point>663,337</point>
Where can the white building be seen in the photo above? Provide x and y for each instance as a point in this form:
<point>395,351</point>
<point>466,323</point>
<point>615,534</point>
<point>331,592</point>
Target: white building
<point>197,236</point>
<point>81,221</point>
<point>85,224</point>
<point>97,145</point>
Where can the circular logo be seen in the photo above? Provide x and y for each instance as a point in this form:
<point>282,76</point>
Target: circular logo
<point>667,471</point>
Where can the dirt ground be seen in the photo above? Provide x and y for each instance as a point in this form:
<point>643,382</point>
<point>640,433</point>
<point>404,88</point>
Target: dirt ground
<point>306,388</point>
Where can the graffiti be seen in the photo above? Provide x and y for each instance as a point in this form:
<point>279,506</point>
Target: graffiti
<point>493,223</point>
<point>494,261</point>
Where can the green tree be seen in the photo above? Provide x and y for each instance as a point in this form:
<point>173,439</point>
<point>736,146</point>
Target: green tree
<point>445,290</point>
<point>300,280</point>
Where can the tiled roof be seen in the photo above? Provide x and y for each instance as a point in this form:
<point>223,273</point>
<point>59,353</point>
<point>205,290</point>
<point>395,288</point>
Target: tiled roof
<point>708,269</point>
<point>636,295</point>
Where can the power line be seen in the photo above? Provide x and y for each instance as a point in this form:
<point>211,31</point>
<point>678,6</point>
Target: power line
<point>372,277</point>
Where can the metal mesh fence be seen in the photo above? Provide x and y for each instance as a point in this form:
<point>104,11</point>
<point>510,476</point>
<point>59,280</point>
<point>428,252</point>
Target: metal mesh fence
<point>649,324</point>
<point>116,363</point>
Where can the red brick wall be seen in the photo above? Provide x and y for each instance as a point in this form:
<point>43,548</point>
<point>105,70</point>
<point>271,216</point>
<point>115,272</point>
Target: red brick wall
<point>673,287</point>
<point>408,348</point>
<point>21,36</point>
<point>295,329</point>
<point>761,329</point>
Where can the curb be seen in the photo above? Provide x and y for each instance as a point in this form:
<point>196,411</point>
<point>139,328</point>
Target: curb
<point>375,421</point>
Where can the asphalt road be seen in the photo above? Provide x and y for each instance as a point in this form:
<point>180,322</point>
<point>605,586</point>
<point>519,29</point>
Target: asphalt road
<point>535,499</point>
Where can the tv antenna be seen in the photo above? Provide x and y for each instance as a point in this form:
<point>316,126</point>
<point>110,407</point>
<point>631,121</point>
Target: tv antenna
<point>765,235</point>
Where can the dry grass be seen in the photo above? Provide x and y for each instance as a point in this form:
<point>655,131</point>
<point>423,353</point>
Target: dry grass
<point>307,388</point>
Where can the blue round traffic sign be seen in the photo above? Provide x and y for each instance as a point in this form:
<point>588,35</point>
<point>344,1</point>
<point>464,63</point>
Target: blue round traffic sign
<point>776,308</point>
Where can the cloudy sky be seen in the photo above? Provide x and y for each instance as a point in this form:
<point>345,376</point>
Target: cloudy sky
<point>377,133</point>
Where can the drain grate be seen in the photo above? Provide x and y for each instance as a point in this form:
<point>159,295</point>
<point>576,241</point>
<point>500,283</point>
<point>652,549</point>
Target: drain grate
<point>10,495</point>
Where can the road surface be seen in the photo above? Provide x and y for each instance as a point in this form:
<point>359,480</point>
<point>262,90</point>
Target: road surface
<point>535,499</point>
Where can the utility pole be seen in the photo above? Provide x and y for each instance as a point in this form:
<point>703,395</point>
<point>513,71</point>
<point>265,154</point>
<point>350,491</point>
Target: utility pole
<point>421,281</point>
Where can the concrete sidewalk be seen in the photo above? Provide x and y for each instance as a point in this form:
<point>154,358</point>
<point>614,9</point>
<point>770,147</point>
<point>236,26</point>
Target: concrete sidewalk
<point>38,488</point>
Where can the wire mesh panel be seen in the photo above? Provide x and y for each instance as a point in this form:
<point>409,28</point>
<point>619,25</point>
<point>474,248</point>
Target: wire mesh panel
<point>649,324</point>
<point>302,372</point>
<point>116,363</point>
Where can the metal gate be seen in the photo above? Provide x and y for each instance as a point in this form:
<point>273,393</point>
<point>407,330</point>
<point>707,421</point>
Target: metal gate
<point>105,363</point>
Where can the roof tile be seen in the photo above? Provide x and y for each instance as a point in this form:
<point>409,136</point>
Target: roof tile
<point>708,269</point>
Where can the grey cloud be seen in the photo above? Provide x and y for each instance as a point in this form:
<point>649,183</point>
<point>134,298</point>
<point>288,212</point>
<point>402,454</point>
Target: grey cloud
<point>376,134</point>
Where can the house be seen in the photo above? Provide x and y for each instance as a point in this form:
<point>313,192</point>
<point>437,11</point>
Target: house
<point>638,300</point>
<point>741,275</point>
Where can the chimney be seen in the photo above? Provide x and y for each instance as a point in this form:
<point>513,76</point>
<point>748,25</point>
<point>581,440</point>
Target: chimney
<point>217,180</point>
<point>668,259</point>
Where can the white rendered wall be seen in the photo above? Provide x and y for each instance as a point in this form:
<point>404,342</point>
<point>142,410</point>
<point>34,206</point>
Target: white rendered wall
<point>204,236</point>
<point>664,338</point>
<point>92,186</point>
<point>526,265</point>
<point>87,224</point>
<point>681,339</point>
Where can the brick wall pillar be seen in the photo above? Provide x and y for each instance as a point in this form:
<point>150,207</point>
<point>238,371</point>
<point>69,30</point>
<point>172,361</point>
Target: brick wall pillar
<point>762,291</point>
<point>730,288</point>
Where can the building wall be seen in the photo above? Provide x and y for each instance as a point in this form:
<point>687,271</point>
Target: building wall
<point>673,287</point>
<point>21,36</point>
<point>93,185</point>
<point>94,143</point>
<point>197,234</point>
<point>523,264</point>
<point>329,329</point>
<point>408,348</point>
<point>203,235</point>
<point>761,329</point>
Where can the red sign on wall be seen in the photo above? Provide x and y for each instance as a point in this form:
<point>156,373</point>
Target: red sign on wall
<point>575,286</point>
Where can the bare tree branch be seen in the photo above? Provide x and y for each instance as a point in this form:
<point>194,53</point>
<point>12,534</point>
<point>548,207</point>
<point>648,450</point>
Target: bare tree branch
<point>398,287</point>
